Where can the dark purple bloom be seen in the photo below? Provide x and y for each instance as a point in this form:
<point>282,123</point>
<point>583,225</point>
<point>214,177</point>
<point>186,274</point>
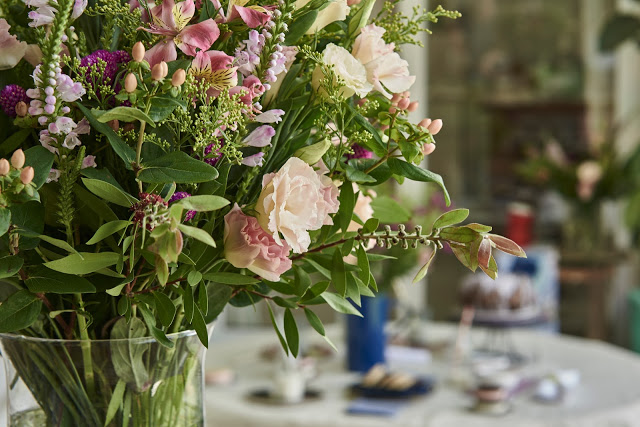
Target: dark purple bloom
<point>359,152</point>
<point>217,155</point>
<point>113,61</point>
<point>179,195</point>
<point>9,98</point>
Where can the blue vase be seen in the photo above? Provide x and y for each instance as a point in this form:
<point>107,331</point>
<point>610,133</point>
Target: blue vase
<point>366,339</point>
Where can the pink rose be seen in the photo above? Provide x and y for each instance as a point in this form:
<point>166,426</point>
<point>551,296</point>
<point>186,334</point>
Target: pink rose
<point>247,245</point>
<point>385,68</point>
<point>294,201</point>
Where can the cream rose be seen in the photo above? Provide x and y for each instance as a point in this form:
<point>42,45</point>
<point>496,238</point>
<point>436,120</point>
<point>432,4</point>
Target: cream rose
<point>346,67</point>
<point>294,201</point>
<point>337,10</point>
<point>386,71</point>
<point>247,245</point>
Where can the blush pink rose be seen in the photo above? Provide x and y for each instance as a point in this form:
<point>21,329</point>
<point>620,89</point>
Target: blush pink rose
<point>294,201</point>
<point>247,245</point>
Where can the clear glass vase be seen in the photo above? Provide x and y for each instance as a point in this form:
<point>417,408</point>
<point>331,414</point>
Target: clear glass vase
<point>123,382</point>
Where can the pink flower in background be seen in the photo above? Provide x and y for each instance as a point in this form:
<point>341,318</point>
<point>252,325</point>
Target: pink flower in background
<point>253,160</point>
<point>260,137</point>
<point>170,20</point>
<point>251,88</point>
<point>589,174</point>
<point>11,49</point>
<point>385,68</point>
<point>294,201</point>
<point>215,68</point>
<point>247,245</point>
<point>252,16</point>
<point>362,208</point>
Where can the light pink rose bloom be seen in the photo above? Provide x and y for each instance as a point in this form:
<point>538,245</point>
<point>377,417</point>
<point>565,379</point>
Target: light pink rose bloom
<point>294,201</point>
<point>385,68</point>
<point>11,50</point>
<point>247,245</point>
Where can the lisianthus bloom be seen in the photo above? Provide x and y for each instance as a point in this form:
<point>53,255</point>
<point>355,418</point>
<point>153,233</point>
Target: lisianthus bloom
<point>215,68</point>
<point>247,245</point>
<point>337,10</point>
<point>170,20</point>
<point>253,16</point>
<point>346,67</point>
<point>11,49</point>
<point>294,201</point>
<point>386,71</point>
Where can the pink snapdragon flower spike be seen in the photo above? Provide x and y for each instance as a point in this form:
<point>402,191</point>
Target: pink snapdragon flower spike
<point>271,116</point>
<point>260,137</point>
<point>251,88</point>
<point>252,16</point>
<point>215,68</point>
<point>171,20</point>
<point>11,49</point>
<point>254,160</point>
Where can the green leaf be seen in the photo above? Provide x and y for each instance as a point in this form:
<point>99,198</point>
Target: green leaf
<point>203,203</point>
<point>286,303</point>
<point>300,26</point>
<point>291,332</point>
<point>162,106</point>
<point>188,303</point>
<point>218,296</point>
<point>116,290</point>
<point>302,280</point>
<point>370,225</point>
<point>194,277</point>
<point>275,326</point>
<point>425,268</point>
<point>159,335</point>
<point>455,216</point>
<point>339,304</point>
<point>49,281</point>
<point>347,201</point>
<point>353,292</point>
<point>165,308</point>
<point>312,154</point>
<point>314,321</point>
<point>200,326</point>
<point>19,311</point>
<point>463,255</point>
<point>14,141</point>
<point>361,17</point>
<point>203,299</point>
<point>83,263</point>
<point>109,192</point>
<point>363,264</point>
<point>10,265</point>
<point>52,241</point>
<point>416,173</point>
<point>484,253</point>
<point>41,160</point>
<point>458,234</point>
<point>617,30</point>
<point>356,175</point>
<point>389,211</point>
<point>507,245</point>
<point>126,153</point>
<point>28,216</point>
<point>124,114</point>
<point>5,220</point>
<point>480,228</point>
<point>339,273</point>
<point>198,234</point>
<point>491,270</point>
<point>177,167</point>
<point>315,290</point>
<point>124,305</point>
<point>115,403</point>
<point>107,230</point>
<point>376,145</point>
<point>127,355</point>
<point>320,269</point>
<point>230,278</point>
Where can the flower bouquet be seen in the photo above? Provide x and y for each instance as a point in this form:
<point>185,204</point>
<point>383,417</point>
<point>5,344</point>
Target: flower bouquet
<point>165,160</point>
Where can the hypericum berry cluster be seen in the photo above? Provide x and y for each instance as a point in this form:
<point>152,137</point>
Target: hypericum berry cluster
<point>151,211</point>
<point>15,177</point>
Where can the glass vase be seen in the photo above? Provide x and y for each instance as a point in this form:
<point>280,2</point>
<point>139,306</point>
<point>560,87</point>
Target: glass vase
<point>123,382</point>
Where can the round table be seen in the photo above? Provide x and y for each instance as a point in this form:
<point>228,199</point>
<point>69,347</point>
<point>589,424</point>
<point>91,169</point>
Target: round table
<point>608,395</point>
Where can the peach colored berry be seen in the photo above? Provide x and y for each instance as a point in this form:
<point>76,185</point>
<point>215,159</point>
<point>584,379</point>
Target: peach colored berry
<point>428,149</point>
<point>17,160</point>
<point>413,106</point>
<point>404,103</point>
<point>4,167</point>
<point>138,52</point>
<point>130,83</point>
<point>178,78</point>
<point>424,123</point>
<point>435,127</point>
<point>26,176</point>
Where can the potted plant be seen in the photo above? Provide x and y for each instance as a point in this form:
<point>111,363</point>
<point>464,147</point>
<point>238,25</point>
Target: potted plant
<point>164,160</point>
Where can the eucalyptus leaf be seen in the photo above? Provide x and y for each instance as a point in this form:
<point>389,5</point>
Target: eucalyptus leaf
<point>124,114</point>
<point>109,192</point>
<point>340,304</point>
<point>126,354</point>
<point>416,173</point>
<point>452,217</point>
<point>291,332</point>
<point>19,311</point>
<point>83,263</point>
<point>178,167</point>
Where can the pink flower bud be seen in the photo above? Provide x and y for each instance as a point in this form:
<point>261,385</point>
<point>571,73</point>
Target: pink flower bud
<point>165,69</point>
<point>396,97</point>
<point>406,94</point>
<point>4,167</point>
<point>21,109</point>
<point>130,83</point>
<point>17,160</point>
<point>26,176</point>
<point>178,78</point>
<point>114,124</point>
<point>403,104</point>
<point>428,149</point>
<point>156,72</point>
<point>435,127</point>
<point>392,110</point>
<point>138,52</point>
<point>413,106</point>
<point>424,123</point>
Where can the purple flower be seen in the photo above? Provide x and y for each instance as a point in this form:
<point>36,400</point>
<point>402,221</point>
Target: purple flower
<point>9,98</point>
<point>113,60</point>
<point>213,160</point>
<point>359,152</point>
<point>179,195</point>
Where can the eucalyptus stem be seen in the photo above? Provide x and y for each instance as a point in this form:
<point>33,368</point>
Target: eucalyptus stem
<point>86,350</point>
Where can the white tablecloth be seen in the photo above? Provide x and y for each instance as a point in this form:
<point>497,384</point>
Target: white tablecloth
<point>609,393</point>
